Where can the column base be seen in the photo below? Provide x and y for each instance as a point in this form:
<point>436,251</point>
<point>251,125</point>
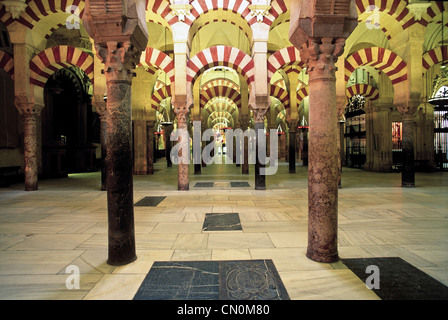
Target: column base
<point>113,262</point>
<point>31,188</point>
<point>322,257</point>
<point>408,184</point>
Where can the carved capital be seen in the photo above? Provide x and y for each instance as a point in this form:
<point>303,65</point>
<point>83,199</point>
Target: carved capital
<point>408,110</point>
<point>181,10</point>
<point>15,7</point>
<point>260,10</point>
<point>320,55</point>
<point>119,58</point>
<point>26,107</point>
<point>100,107</point>
<point>418,8</point>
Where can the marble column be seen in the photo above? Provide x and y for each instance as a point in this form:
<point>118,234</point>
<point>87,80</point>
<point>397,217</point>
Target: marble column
<point>117,58</point>
<point>100,107</point>
<point>382,138</point>
<point>140,147</point>
<point>320,55</point>
<point>407,112</point>
<point>292,146</point>
<point>150,146</point>
<point>31,115</point>
<point>260,150</point>
<point>184,145</point>
<point>244,124</point>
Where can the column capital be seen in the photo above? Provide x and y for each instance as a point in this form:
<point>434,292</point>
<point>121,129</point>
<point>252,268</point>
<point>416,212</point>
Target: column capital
<point>15,7</point>
<point>408,110</point>
<point>321,54</point>
<point>27,107</point>
<point>100,107</point>
<point>119,59</point>
<point>180,10</point>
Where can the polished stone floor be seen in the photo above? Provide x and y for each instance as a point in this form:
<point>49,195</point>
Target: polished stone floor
<point>64,224</point>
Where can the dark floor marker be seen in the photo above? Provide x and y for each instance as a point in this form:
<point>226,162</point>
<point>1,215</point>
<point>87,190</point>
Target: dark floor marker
<point>204,185</point>
<point>212,280</point>
<point>222,222</point>
<point>236,184</point>
<point>398,280</point>
<point>149,201</point>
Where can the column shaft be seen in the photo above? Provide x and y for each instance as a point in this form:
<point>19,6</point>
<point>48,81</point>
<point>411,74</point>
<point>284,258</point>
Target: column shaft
<point>30,151</point>
<point>323,149</point>
<point>408,170</point>
<point>119,173</point>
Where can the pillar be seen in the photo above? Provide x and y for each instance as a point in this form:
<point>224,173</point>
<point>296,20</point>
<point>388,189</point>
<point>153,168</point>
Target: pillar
<point>140,147</point>
<point>381,138</point>
<point>292,146</point>
<point>100,107</point>
<point>244,124</point>
<point>31,115</point>
<point>407,112</point>
<point>320,55</point>
<point>120,35</point>
<point>150,146</point>
<point>119,159</point>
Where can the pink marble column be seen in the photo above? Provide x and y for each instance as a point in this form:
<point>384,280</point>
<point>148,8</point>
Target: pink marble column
<point>30,114</point>
<point>183,142</point>
<point>320,56</point>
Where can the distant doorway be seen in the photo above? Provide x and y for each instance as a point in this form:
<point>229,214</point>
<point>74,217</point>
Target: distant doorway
<point>67,124</point>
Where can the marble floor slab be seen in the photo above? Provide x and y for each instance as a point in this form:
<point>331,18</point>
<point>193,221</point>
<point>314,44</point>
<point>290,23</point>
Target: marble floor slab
<point>222,222</point>
<point>396,279</point>
<point>149,201</point>
<point>212,280</point>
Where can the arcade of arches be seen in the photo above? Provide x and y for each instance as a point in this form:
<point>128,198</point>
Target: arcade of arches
<point>99,88</point>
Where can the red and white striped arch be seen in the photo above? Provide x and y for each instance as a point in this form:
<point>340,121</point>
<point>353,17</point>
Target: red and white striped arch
<point>240,7</point>
<point>154,58</point>
<point>302,93</point>
<point>220,91</point>
<point>434,56</point>
<point>7,63</point>
<point>159,95</point>
<point>394,8</point>
<point>379,58</point>
<point>37,9</point>
<point>222,82</point>
<point>221,56</point>
<point>217,105</point>
<point>288,58</point>
<point>281,94</point>
<point>365,90</point>
<point>44,64</point>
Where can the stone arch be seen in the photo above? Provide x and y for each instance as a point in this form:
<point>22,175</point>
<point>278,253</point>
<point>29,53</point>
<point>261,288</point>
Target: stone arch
<point>154,58</point>
<point>7,63</point>
<point>434,56</point>
<point>37,9</point>
<point>221,56</point>
<point>367,91</point>
<point>220,91</point>
<point>52,59</point>
<point>286,57</point>
<point>379,58</point>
